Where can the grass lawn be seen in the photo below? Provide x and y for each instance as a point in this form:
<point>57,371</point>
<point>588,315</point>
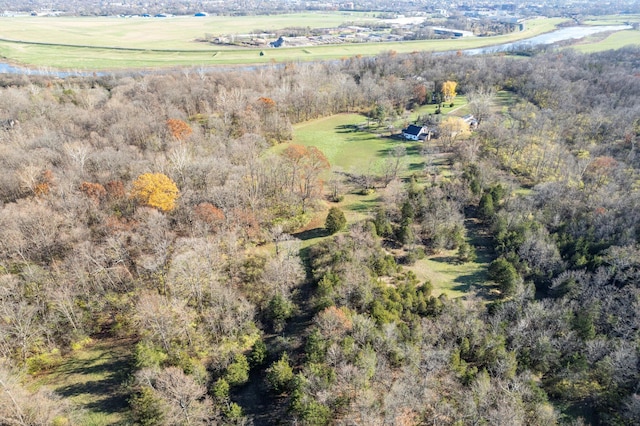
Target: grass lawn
<point>348,144</point>
<point>91,379</point>
<point>98,43</point>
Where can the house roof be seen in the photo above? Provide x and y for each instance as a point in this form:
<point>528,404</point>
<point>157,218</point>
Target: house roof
<point>413,130</point>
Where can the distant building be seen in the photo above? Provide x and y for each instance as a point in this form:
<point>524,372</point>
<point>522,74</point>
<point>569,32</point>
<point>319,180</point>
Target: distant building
<point>451,32</point>
<point>278,43</point>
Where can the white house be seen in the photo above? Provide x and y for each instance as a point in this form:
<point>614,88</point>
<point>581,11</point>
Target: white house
<point>414,132</point>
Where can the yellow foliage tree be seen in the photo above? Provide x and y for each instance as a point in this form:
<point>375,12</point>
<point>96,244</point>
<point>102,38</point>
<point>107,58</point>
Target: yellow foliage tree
<point>155,190</point>
<point>449,90</point>
<point>453,128</point>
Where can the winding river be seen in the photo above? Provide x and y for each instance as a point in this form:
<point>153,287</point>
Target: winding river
<point>562,34</point>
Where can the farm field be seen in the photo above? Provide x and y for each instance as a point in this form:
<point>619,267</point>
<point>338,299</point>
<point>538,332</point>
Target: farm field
<point>611,19</point>
<point>170,33</point>
<point>119,43</point>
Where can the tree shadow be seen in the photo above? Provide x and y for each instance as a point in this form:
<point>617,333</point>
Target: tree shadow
<point>412,148</point>
<point>475,279</point>
<point>446,259</point>
<point>310,234</point>
<point>96,384</point>
<point>348,128</point>
<point>363,206</point>
<point>416,167</point>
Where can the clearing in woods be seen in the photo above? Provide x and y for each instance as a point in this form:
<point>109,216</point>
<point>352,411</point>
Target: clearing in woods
<point>92,379</point>
<point>352,144</point>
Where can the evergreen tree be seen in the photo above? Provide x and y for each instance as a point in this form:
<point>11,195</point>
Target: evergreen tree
<point>335,220</point>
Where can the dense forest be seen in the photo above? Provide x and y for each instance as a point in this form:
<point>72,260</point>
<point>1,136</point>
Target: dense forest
<point>158,208</point>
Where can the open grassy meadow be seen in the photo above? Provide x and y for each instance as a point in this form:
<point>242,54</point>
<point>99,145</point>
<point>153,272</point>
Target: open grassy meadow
<point>178,33</point>
<point>612,41</point>
<point>107,43</point>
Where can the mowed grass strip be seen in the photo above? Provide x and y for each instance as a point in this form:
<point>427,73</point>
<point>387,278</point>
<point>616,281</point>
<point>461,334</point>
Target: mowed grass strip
<point>449,277</point>
<point>614,41</point>
<point>94,44</point>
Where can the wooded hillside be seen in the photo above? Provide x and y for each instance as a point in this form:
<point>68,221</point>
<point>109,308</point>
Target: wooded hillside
<point>157,209</point>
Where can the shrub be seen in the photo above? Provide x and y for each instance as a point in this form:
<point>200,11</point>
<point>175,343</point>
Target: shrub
<point>466,253</point>
<point>279,311</point>
<point>486,208</point>
<point>220,390</point>
<point>504,274</point>
<point>238,371</point>
<point>147,355</point>
<point>146,408</point>
<point>258,353</point>
<point>336,220</point>
<point>43,362</point>
<point>280,374</point>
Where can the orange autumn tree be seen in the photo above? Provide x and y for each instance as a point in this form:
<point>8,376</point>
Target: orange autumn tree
<point>44,184</point>
<point>267,103</point>
<point>155,190</point>
<point>94,191</point>
<point>178,128</point>
<point>209,214</point>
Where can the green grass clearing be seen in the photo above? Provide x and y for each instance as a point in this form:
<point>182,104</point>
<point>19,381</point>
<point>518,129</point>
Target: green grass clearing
<point>504,100</point>
<point>91,380</point>
<point>350,145</point>
<point>447,276</point>
<point>453,278</point>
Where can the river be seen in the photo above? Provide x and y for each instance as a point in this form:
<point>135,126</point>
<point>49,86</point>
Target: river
<point>562,34</point>
<point>569,33</point>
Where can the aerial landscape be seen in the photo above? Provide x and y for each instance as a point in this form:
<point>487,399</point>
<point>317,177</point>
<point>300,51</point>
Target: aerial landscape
<point>327,212</point>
